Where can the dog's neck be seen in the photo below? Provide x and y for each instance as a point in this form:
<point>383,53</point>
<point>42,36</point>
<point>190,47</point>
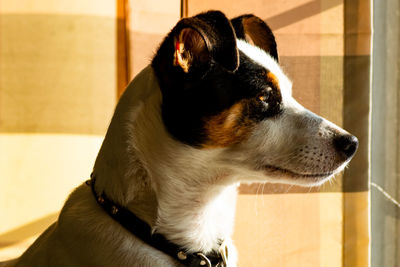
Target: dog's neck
<point>172,186</point>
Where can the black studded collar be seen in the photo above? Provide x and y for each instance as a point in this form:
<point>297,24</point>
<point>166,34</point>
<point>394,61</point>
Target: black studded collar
<point>142,230</point>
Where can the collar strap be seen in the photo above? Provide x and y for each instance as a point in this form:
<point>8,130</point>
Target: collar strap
<point>142,230</point>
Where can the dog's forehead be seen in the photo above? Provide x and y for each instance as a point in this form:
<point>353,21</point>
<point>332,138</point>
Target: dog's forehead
<point>263,59</point>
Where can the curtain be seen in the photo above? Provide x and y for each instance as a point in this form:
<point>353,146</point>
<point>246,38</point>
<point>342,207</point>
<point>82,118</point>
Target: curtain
<point>58,83</point>
<point>385,193</point>
<point>324,47</point>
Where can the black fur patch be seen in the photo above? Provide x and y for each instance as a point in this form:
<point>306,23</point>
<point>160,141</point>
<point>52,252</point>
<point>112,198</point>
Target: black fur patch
<point>192,99</point>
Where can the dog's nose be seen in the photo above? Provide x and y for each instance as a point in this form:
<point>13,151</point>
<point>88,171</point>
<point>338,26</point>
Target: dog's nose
<point>347,144</point>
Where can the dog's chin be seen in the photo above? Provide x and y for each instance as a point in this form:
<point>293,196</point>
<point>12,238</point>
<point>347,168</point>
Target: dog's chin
<point>285,176</point>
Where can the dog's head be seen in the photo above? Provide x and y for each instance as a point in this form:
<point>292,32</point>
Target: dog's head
<point>222,88</point>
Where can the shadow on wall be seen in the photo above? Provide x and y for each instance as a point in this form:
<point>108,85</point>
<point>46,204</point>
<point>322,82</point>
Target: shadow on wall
<point>299,13</point>
<point>23,232</point>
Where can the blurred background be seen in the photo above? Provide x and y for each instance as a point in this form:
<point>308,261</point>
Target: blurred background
<point>64,64</point>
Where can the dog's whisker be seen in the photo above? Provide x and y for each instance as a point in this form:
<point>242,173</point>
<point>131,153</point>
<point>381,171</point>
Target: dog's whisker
<point>262,194</point>
<point>257,197</point>
<point>288,189</point>
<point>310,188</point>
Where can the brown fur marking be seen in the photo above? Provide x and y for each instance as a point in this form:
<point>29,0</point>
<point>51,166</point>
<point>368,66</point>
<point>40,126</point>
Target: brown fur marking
<point>228,128</point>
<point>273,80</point>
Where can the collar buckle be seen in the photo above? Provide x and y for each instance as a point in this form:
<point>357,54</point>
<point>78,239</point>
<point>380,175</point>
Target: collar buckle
<point>223,251</point>
<point>204,260</point>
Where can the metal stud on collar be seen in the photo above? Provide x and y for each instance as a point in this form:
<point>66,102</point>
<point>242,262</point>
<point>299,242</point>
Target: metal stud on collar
<point>181,255</point>
<point>114,210</point>
<point>100,200</point>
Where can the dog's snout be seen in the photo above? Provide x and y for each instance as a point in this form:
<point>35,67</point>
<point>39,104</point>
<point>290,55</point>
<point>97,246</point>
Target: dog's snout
<point>346,144</point>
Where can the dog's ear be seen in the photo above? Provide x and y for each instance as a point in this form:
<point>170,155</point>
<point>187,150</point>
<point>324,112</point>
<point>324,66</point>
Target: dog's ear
<point>204,38</point>
<point>255,31</point>
<point>196,43</point>
<point>191,50</point>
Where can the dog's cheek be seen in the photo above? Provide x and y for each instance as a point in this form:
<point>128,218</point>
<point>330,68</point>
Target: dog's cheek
<point>230,127</point>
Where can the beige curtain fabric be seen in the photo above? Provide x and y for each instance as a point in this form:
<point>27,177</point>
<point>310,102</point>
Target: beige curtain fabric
<point>385,219</point>
<point>58,84</point>
<point>65,84</point>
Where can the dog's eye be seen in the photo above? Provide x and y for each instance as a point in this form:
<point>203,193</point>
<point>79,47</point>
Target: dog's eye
<point>263,98</point>
<point>265,94</point>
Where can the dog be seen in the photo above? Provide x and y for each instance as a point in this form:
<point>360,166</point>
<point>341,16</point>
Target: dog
<point>213,109</point>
